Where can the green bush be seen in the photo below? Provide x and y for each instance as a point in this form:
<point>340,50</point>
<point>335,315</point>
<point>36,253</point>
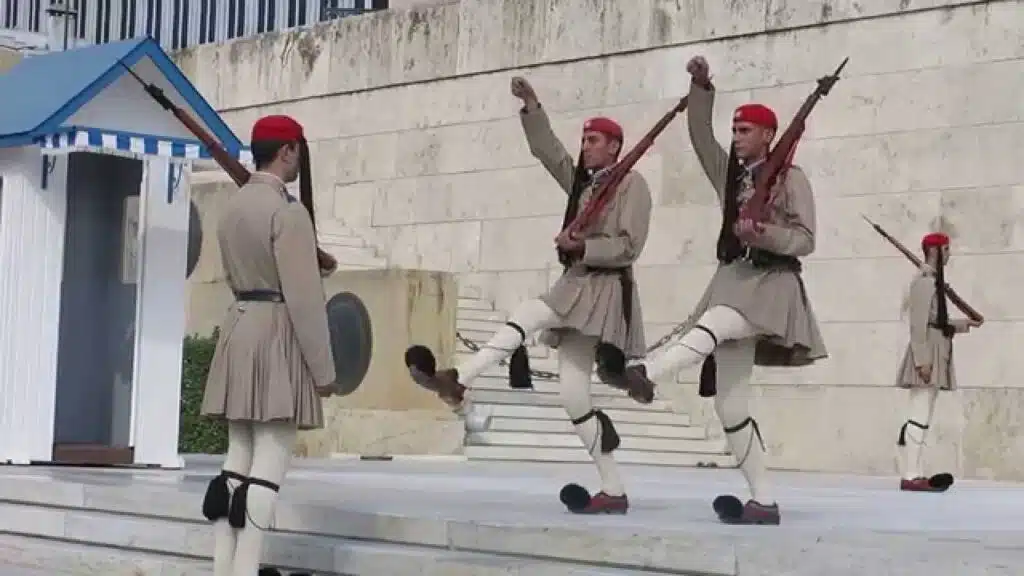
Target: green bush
<point>197,434</point>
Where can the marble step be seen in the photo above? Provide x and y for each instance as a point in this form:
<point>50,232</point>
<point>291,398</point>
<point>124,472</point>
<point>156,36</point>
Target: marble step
<point>353,256</point>
<point>623,456</point>
<point>472,303</point>
<point>35,556</point>
<point>553,412</point>
<point>476,315</point>
<point>499,383</point>
<point>156,534</point>
<point>349,241</point>
<point>527,398</point>
<point>563,426</point>
<point>571,440</point>
<point>534,352</point>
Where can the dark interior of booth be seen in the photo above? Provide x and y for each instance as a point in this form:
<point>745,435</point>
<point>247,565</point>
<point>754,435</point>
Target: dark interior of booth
<point>96,342</point>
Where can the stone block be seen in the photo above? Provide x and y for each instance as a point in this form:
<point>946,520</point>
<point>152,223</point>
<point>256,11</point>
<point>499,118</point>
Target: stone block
<point>388,413</point>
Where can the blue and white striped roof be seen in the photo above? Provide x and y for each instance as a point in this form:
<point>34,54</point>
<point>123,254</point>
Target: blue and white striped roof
<point>130,145</point>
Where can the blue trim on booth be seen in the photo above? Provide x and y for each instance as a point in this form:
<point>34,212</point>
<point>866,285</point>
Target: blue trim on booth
<point>33,73</point>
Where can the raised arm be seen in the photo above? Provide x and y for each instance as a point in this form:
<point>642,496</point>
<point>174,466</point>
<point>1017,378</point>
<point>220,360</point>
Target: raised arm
<point>713,158</point>
<point>543,143</point>
<point>794,234</point>
<point>295,254</point>
<point>634,223</point>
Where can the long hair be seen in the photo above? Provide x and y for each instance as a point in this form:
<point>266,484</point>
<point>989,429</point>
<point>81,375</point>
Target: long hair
<point>580,180</point>
<point>306,181</point>
<point>942,305</point>
<point>729,245</point>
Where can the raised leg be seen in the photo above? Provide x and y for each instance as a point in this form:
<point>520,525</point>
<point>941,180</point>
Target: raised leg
<point>732,404</point>
<point>451,384</point>
<point>718,325</point>
<point>911,442</point>
<point>595,429</point>
<point>216,504</point>
<point>255,501</point>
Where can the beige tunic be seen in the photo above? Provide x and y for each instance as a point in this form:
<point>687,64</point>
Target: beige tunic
<point>928,346</point>
<point>270,356</point>
<point>773,300</point>
<point>589,302</point>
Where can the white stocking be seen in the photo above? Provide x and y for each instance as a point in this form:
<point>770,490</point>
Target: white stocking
<point>921,411</point>
<point>239,461</point>
<point>732,403</point>
<point>575,363</point>
<point>272,452</point>
<point>694,346</point>
<point>532,316</point>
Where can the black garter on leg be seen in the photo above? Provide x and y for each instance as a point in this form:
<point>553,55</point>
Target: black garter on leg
<point>217,501</point>
<point>519,364</point>
<point>575,497</point>
<point>709,369</point>
<point>239,511</point>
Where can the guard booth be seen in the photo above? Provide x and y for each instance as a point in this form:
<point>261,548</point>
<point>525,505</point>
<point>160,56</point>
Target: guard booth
<point>94,257</point>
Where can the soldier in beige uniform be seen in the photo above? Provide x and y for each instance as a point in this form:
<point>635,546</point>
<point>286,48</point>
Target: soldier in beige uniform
<point>927,365</point>
<point>273,360</point>
<point>595,300</point>
<point>755,310</point>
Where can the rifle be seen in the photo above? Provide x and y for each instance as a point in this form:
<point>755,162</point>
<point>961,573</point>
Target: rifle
<point>756,208</point>
<point>955,298</point>
<point>606,190</point>
<point>238,173</point>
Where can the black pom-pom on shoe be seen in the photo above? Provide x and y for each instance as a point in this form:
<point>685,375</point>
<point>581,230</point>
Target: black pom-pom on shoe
<point>728,507</point>
<point>941,482</point>
<point>422,365</point>
<point>575,497</point>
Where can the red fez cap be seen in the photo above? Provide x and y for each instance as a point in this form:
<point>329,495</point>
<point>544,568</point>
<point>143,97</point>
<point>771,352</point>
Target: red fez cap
<point>276,128</point>
<point>758,114</point>
<point>934,240</point>
<point>605,126</point>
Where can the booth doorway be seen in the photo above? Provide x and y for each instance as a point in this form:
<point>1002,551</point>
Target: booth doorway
<point>96,342</point>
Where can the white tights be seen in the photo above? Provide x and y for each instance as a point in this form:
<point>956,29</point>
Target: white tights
<point>260,450</point>
<point>532,316</point>
<point>921,410</point>
<point>734,356</point>
<point>575,366</point>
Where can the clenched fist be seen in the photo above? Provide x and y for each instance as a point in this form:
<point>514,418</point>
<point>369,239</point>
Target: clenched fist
<point>699,70</point>
<point>521,89</point>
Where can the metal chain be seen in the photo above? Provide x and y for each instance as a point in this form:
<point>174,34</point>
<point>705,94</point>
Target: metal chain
<point>474,347</point>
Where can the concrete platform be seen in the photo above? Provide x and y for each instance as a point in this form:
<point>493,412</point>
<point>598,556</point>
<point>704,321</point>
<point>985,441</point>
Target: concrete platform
<point>482,518</point>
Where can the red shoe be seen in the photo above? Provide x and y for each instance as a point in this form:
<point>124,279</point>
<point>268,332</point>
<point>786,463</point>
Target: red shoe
<point>937,483</point>
<point>731,511</point>
<point>602,503</point>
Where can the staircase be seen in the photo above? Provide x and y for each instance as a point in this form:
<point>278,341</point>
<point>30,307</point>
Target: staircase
<point>351,251</point>
<point>531,425</point>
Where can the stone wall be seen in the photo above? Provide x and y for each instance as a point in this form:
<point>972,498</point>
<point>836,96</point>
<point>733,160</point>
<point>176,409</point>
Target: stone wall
<point>418,147</point>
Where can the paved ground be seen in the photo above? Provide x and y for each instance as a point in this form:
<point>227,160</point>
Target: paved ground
<point>828,520</point>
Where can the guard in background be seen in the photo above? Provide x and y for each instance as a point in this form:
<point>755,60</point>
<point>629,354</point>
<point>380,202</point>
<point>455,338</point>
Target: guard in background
<point>273,361</point>
<point>927,365</point>
<point>595,300</point>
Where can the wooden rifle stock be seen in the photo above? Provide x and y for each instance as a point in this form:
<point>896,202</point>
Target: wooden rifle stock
<point>606,189</point>
<point>238,173</point>
<point>955,298</point>
<point>756,208</point>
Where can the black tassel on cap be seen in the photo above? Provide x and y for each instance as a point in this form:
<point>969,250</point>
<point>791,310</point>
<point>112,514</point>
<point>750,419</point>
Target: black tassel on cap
<point>708,377</point>
<point>519,370</point>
